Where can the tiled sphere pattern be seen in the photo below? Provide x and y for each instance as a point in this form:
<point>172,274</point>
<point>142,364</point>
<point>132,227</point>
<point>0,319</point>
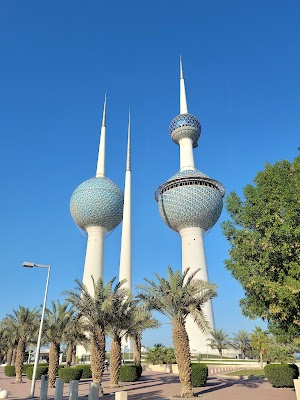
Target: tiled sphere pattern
<point>97,202</point>
<point>185,126</point>
<point>190,205</point>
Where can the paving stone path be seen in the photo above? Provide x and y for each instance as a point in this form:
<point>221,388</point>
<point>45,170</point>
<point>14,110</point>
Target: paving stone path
<point>155,385</point>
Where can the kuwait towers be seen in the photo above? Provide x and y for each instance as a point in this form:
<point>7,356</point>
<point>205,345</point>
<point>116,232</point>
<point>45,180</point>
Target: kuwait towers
<point>190,203</point>
<point>97,207</point>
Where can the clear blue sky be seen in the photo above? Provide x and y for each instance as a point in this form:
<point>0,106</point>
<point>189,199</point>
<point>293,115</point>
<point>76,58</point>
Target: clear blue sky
<point>58,59</point>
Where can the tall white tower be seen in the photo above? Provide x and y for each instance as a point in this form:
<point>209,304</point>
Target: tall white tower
<point>190,203</point>
<point>125,257</point>
<point>97,206</point>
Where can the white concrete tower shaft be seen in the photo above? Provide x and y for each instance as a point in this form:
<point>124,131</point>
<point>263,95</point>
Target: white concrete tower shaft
<point>192,239</point>
<point>94,257</point>
<point>126,256</point>
<point>186,144</point>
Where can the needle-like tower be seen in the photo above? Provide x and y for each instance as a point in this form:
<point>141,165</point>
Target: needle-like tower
<point>125,257</point>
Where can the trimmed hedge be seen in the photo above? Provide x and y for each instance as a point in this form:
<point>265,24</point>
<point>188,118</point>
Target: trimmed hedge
<point>129,373</point>
<point>86,370</point>
<point>10,370</point>
<point>281,375</point>
<point>41,370</point>
<point>199,375</point>
<point>70,374</point>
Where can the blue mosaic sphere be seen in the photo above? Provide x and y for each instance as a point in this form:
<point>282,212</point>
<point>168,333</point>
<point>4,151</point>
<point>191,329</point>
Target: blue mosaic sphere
<point>190,199</point>
<point>97,202</point>
<point>185,126</point>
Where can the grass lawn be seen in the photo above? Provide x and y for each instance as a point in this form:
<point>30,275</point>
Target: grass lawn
<point>248,372</point>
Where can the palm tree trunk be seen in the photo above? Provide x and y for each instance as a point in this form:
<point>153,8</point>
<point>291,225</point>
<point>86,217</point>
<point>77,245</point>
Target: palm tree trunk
<point>137,350</point>
<point>20,359</point>
<point>98,356</point>
<point>261,359</point>
<point>115,361</point>
<point>74,354</point>
<point>183,357</point>
<point>53,363</point>
<point>14,355</point>
<point>69,354</point>
<point>9,356</point>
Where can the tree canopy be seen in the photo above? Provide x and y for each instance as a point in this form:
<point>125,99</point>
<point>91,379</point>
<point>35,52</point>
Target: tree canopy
<point>264,234</point>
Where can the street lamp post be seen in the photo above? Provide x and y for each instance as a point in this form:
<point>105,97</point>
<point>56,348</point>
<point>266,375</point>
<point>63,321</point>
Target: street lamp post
<point>37,354</point>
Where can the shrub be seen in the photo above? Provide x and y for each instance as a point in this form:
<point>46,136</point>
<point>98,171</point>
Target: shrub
<point>41,370</point>
<point>86,371</point>
<point>281,375</point>
<point>199,375</point>
<point>129,373</point>
<point>10,370</point>
<point>70,374</point>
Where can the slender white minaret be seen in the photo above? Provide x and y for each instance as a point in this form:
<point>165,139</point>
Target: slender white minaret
<point>97,206</point>
<point>125,257</point>
<point>190,203</point>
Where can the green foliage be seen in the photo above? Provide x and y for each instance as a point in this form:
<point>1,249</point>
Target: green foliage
<point>242,341</point>
<point>70,374</point>
<point>199,375</point>
<point>86,370</point>
<point>264,234</point>
<point>219,340</point>
<point>10,370</point>
<point>281,375</point>
<point>257,373</point>
<point>160,354</point>
<point>129,373</point>
<point>41,370</point>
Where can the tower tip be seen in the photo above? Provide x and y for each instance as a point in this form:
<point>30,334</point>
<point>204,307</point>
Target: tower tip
<point>104,112</point>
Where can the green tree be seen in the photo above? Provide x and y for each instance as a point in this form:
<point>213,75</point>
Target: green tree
<point>142,320</point>
<point>264,234</point>
<point>55,327</point>
<point>75,335</point>
<point>121,315</point>
<point>241,341</point>
<point>260,343</point>
<point>94,308</point>
<point>219,340</point>
<point>26,323</point>
<point>177,297</point>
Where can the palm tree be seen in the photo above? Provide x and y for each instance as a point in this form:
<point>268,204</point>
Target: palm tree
<point>26,323</point>
<point>241,341</point>
<point>177,297</point>
<point>219,340</point>
<point>55,326</point>
<point>121,309</point>
<point>260,342</point>
<point>93,307</point>
<point>73,336</point>
<point>9,339</point>
<point>142,320</point>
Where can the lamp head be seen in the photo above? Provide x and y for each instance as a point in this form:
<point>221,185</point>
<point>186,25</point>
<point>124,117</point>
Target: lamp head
<point>27,264</point>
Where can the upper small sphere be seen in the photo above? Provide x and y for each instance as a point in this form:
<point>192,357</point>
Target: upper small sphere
<point>185,126</point>
<point>97,202</point>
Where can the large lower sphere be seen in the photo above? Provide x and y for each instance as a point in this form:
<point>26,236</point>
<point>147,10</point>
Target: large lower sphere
<point>97,202</point>
<point>190,205</point>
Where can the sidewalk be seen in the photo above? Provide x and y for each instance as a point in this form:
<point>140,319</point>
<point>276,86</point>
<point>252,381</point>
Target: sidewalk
<point>155,385</point>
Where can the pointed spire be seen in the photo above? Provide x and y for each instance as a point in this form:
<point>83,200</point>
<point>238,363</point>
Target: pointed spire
<point>128,160</point>
<point>101,154</point>
<point>183,102</point>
